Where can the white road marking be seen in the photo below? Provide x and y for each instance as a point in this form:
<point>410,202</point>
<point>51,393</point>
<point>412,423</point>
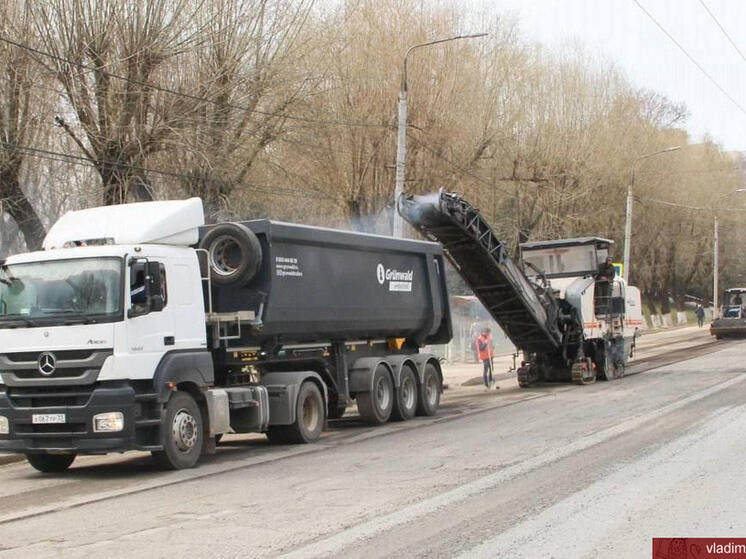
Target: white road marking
<point>371,528</point>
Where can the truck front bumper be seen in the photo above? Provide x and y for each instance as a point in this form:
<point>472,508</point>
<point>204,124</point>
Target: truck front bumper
<point>75,435</point>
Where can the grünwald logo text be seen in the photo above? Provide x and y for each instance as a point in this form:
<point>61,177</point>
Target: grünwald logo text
<point>398,280</point>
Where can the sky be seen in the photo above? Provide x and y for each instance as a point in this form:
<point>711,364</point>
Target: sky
<point>624,34</point>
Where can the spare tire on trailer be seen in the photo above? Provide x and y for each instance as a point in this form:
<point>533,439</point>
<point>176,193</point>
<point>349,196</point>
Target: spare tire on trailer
<point>234,254</point>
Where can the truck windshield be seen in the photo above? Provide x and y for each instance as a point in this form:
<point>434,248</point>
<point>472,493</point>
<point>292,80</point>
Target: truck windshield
<point>563,261</point>
<point>61,291</point>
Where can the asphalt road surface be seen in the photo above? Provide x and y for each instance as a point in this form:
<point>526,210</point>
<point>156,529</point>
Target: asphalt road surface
<point>554,471</point>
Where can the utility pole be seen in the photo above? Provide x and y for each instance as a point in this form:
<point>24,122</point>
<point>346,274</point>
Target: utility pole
<point>401,142</point>
<point>715,275</point>
<point>715,270</point>
<point>401,153</point>
<point>628,220</point>
<point>627,234</point>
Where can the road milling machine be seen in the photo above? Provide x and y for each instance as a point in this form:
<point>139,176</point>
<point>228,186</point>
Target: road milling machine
<point>569,324</point>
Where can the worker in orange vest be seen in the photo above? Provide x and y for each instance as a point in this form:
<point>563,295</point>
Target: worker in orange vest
<point>485,353</point>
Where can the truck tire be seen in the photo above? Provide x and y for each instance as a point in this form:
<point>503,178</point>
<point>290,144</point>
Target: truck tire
<point>309,415</point>
<point>405,402</point>
<point>428,395</point>
<point>234,254</point>
<point>50,463</point>
<point>182,431</point>
<point>375,406</point>
<point>335,412</point>
<point>604,366</point>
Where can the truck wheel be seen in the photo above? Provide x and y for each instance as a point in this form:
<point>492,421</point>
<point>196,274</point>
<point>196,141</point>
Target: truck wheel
<point>234,254</point>
<point>405,402</point>
<point>278,434</point>
<point>309,415</point>
<point>182,431</point>
<point>604,366</point>
<point>335,412</point>
<point>375,406</point>
<point>50,463</point>
<point>428,396</point>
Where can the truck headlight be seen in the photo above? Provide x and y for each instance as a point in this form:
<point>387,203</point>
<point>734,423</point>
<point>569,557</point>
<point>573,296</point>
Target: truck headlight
<point>108,422</point>
<point>4,425</point>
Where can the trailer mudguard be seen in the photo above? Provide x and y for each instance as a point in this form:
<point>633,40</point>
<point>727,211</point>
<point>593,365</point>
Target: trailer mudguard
<point>396,362</point>
<point>282,388</point>
<point>422,359</point>
<point>193,366</point>
<point>361,373</point>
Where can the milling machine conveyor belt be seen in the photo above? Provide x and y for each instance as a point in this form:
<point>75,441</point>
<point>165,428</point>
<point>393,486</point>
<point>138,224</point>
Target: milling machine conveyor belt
<point>526,313</point>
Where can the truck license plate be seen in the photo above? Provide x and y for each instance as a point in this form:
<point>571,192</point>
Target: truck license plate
<point>48,418</point>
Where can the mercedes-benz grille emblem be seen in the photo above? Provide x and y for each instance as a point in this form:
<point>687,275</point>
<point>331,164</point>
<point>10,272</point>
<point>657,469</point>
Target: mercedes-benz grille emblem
<point>47,363</point>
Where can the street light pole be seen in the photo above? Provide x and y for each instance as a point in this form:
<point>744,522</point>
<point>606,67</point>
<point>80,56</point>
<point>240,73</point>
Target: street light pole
<point>401,142</point>
<point>715,269</point>
<point>628,219</point>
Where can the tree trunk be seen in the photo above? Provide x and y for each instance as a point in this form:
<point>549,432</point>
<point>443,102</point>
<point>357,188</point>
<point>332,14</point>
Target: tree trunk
<point>649,300</point>
<point>17,205</point>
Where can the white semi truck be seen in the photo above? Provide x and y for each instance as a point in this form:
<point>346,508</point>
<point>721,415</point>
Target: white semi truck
<point>140,328</point>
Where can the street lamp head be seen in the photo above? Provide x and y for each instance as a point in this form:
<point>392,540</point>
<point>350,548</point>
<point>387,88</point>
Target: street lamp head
<point>472,36</point>
<point>674,148</point>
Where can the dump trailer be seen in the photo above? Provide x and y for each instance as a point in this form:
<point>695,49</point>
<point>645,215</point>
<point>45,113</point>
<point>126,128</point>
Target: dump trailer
<point>140,328</point>
<point>732,320</point>
<point>569,323</point>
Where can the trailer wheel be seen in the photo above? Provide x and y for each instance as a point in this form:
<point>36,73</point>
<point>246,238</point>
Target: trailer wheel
<point>428,396</point>
<point>50,463</point>
<point>182,431</point>
<point>405,402</point>
<point>234,254</point>
<point>375,406</point>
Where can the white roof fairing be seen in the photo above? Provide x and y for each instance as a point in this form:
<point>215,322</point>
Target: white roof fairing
<point>174,222</point>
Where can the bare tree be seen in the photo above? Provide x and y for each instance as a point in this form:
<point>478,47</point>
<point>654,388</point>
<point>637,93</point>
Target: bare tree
<point>19,120</point>
<point>248,71</point>
<point>112,59</point>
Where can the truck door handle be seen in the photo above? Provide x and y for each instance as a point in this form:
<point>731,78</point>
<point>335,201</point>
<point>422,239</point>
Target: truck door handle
<point>168,340</point>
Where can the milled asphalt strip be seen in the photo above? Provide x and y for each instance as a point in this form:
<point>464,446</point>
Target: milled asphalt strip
<point>608,503</point>
<point>369,529</point>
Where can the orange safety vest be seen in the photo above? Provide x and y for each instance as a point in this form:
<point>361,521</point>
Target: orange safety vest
<point>485,353</point>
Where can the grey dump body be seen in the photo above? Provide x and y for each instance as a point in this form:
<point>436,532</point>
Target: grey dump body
<point>528,314</point>
<point>319,284</point>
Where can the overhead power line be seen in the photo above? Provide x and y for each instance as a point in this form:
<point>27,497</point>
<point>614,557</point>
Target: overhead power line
<point>684,206</point>
<point>691,58</point>
<point>727,36</point>
<point>80,160</point>
<point>189,95</point>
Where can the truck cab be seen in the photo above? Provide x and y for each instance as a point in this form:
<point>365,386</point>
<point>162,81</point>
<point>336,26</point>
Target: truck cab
<point>89,322</point>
